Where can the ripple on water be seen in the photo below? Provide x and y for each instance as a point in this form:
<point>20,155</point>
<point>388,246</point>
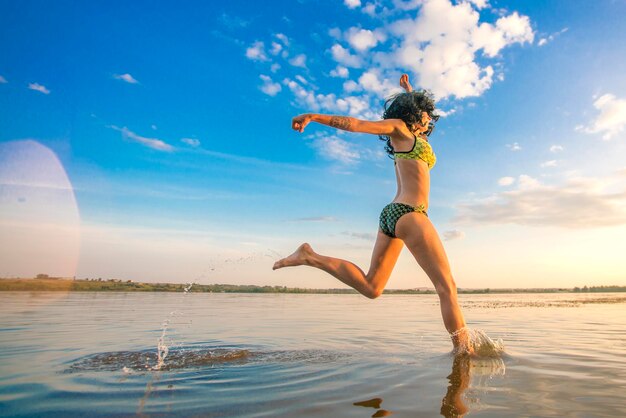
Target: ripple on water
<point>129,361</point>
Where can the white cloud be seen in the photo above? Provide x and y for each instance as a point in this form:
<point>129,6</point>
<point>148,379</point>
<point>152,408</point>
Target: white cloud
<point>516,28</point>
<point>407,4</point>
<point>298,61</point>
<point>191,141</point>
<point>514,146</point>
<point>340,71</point>
<point>351,86</point>
<point>453,234</point>
<point>269,87</point>
<point>489,39</point>
<point>343,56</point>
<point>361,235</point>
<point>506,181</point>
<point>233,22</point>
<point>38,87</point>
<point>335,33</point>
<point>556,148</point>
<point>276,48</point>
<point>309,99</point>
<point>126,77</point>
<point>480,4</point>
<point>526,182</point>
<point>445,113</point>
<point>371,82</point>
<point>358,106</point>
<point>334,148</point>
<point>316,219</point>
<point>441,44</point>
<point>579,203</point>
<point>363,39</point>
<point>283,38</point>
<point>275,67</point>
<point>551,37</point>
<point>153,143</point>
<point>441,47</point>
<point>3,80</point>
<point>612,117</point>
<point>369,9</point>
<point>256,52</point>
<point>550,163</point>
<point>352,4</point>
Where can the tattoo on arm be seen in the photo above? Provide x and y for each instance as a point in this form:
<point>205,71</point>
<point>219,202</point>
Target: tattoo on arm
<point>340,122</point>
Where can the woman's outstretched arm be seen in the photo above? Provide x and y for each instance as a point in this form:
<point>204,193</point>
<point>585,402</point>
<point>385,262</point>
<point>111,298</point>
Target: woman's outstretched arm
<point>347,123</point>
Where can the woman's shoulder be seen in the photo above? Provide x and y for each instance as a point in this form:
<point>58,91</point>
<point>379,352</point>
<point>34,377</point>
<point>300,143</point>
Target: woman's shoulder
<point>402,132</point>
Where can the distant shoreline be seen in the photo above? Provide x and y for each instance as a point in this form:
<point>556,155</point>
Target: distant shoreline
<point>47,284</point>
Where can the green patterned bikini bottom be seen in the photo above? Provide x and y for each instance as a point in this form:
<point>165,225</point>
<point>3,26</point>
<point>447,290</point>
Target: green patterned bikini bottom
<point>394,211</point>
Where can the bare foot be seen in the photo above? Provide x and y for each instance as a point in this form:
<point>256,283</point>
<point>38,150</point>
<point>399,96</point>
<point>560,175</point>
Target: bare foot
<point>462,342</point>
<point>298,258</point>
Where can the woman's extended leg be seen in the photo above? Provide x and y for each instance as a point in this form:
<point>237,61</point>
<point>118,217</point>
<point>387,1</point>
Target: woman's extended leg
<point>384,257</point>
<point>421,238</point>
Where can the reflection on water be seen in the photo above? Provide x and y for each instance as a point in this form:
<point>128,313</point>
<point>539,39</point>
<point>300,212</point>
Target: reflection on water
<point>452,404</point>
<point>370,403</point>
<point>464,367</point>
<point>306,356</point>
<point>374,403</point>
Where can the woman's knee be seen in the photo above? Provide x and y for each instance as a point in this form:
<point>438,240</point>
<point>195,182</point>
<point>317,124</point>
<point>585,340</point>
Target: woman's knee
<point>374,292</point>
<point>446,289</point>
<point>377,281</point>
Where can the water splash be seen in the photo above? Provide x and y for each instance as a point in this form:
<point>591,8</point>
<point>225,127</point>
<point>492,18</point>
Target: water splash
<point>221,263</point>
<point>162,348</point>
<point>477,343</point>
<point>163,351</point>
<point>274,255</point>
<point>484,346</point>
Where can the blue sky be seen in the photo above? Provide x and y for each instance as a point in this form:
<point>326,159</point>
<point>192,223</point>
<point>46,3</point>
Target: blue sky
<point>150,142</point>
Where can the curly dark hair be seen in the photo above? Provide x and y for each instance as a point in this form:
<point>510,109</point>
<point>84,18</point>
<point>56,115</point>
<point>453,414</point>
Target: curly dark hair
<point>409,108</point>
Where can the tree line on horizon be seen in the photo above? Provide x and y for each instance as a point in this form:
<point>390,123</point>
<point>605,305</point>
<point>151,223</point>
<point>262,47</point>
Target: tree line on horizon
<point>45,283</point>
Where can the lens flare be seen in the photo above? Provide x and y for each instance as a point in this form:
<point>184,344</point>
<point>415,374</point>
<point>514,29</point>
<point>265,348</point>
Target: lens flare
<point>39,218</point>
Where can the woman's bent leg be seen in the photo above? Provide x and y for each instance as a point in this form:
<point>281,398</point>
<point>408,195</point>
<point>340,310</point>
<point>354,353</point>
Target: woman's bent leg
<point>384,257</point>
<point>421,238</point>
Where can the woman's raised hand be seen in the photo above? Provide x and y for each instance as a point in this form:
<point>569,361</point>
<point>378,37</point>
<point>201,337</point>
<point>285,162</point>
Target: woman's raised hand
<point>405,84</point>
<point>300,122</point>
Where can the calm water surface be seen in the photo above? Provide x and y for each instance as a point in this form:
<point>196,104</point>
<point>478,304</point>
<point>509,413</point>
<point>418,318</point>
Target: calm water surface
<point>220,355</point>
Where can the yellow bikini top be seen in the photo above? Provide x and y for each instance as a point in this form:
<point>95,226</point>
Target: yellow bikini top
<point>421,151</point>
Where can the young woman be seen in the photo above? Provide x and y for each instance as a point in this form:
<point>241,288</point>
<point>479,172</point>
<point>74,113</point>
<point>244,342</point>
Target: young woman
<point>407,122</point>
